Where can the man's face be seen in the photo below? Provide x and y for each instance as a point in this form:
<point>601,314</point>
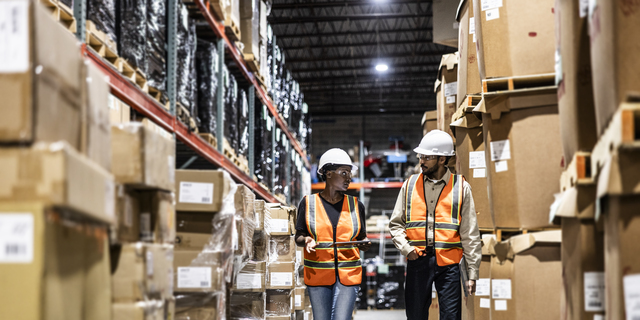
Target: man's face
<point>429,164</point>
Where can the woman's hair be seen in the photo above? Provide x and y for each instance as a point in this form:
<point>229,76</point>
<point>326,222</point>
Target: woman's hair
<point>328,167</point>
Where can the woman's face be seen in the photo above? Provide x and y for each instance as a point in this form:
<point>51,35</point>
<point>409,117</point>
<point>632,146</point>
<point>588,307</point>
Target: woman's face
<point>340,178</point>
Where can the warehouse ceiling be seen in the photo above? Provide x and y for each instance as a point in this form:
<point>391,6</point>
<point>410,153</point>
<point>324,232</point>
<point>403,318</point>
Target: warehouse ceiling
<point>333,47</point>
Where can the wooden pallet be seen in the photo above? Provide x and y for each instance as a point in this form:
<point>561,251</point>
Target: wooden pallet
<point>210,139</point>
<point>231,29</point>
<point>61,13</point>
<point>244,163</point>
<point>215,7</point>
<point>622,133</point>
<point>99,38</point>
<point>578,172</point>
<point>519,84</point>
<point>155,93</point>
<point>229,152</point>
<point>264,186</point>
<point>281,197</point>
<point>184,116</point>
<point>253,64</point>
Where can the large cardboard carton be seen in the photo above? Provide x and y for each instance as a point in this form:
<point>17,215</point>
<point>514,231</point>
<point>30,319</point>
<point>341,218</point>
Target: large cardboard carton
<point>141,310</point>
<point>119,112</point>
<point>247,305</point>
<point>280,222</point>
<point>200,190</point>
<point>281,275</point>
<point>59,176</point>
<point>298,300</point>
<point>40,78</point>
<point>263,216</point>
<point>470,150</point>
<point>197,277</point>
<point>469,81</point>
<point>478,306</point>
<point>280,303</point>
<point>142,157</point>
<point>127,215</point>
<point>573,77</point>
<point>200,306</point>
<point>282,249</point>
<point>622,263</point>
<point>250,29</point>
<point>157,216</point>
<point>445,26</point>
<point>446,88</point>
<point>429,121</point>
<point>514,38</point>
<point>143,271</point>
<point>524,158</point>
<point>196,222</point>
<point>252,278</point>
<point>96,137</point>
<point>245,203</point>
<point>51,267</point>
<point>614,32</point>
<point>526,277</point>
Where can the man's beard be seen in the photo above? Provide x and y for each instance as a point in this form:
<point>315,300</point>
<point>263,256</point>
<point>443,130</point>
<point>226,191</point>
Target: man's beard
<point>431,170</point>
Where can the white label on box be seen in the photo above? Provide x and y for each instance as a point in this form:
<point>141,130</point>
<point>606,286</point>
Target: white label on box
<point>249,281</point>
<point>490,4</point>
<point>501,288</point>
<point>483,287</point>
<point>16,237</point>
<point>281,279</point>
<point>109,196</point>
<point>279,225</point>
<point>149,263</point>
<point>196,192</point>
<point>474,38</point>
<point>472,25</point>
<point>480,173</point>
<point>584,8</point>
<point>451,99</point>
<point>485,303</point>
<point>558,67</point>
<point>299,257</point>
<point>14,36</point>
<point>306,315</point>
<point>172,169</point>
<point>477,160</point>
<point>592,7</point>
<point>598,317</point>
<point>501,305</point>
<point>492,14</point>
<point>632,296</point>
<point>500,150</point>
<point>593,291</point>
<point>194,277</point>
<point>451,89</point>
<point>298,300</point>
<point>501,166</point>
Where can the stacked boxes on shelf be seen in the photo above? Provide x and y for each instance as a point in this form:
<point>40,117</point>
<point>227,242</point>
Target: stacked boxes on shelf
<point>446,87</point>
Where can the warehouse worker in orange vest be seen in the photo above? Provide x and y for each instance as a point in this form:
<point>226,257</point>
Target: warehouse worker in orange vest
<point>434,225</point>
<point>332,273</point>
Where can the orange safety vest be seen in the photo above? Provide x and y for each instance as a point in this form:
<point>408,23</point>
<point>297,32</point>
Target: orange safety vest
<point>447,218</point>
<point>320,266</point>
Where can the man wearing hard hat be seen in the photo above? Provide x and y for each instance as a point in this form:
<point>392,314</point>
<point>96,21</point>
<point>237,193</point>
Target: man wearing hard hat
<point>434,225</point>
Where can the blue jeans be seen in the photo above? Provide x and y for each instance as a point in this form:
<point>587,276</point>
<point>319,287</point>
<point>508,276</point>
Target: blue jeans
<point>335,302</point>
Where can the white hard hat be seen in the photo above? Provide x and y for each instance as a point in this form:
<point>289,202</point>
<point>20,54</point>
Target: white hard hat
<point>335,156</point>
<point>436,143</point>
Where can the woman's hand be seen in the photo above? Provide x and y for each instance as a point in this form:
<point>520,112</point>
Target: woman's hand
<point>310,244</point>
<point>364,246</point>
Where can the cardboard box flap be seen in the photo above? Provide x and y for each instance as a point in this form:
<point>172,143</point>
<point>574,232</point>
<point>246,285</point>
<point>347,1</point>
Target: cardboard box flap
<point>459,10</point>
<point>508,249</point>
<point>436,85</point>
<point>497,105</point>
<point>574,202</point>
<point>614,180</point>
<point>488,243</point>
<point>429,115</point>
<point>448,61</point>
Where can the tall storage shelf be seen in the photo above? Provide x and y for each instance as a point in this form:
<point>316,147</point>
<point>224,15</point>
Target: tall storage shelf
<point>148,107</point>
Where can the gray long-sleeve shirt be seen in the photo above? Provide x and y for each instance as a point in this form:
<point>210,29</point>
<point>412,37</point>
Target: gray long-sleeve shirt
<point>469,233</point>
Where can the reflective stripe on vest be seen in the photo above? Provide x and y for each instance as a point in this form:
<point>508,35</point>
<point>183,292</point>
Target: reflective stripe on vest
<point>447,218</point>
<point>320,266</point>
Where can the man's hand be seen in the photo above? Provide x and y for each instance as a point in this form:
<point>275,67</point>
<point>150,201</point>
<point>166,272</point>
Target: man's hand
<point>471,287</point>
<point>310,244</point>
<point>364,246</point>
<point>412,255</point>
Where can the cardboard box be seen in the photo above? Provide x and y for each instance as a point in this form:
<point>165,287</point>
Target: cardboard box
<point>280,303</point>
<point>522,133</point>
<point>141,157</point>
<point>582,267</point>
<point>252,278</point>
<point>261,246</point>
<point>142,310</point>
<point>119,112</point>
<point>59,176</point>
<point>42,106</point>
<point>445,26</point>
<point>263,20</point>
<point>232,14</point>
<point>203,275</point>
<point>263,216</point>
<point>247,305</point>
<point>280,220</point>
<point>245,203</point>
<point>195,222</point>
<point>157,216</point>
<point>478,307</point>
<point>613,30</point>
<point>469,81</point>
<point>143,271</point>
<point>298,300</point>
<point>96,135</point>
<point>514,38</point>
<point>281,275</point>
<point>446,89</point>
<point>282,249</point>
<point>621,238</point>
<point>470,150</point>
<point>429,121</point>
<point>200,190</point>
<point>127,215</point>
<point>434,308</point>
<point>244,231</point>
<point>50,267</point>
<point>526,277</point>
<point>250,30</point>
<point>575,92</point>
<point>200,306</point>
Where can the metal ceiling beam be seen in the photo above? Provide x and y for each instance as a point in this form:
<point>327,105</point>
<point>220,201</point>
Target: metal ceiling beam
<point>371,101</point>
<point>347,68</point>
<point>367,112</point>
<point>386,77</point>
<point>374,56</point>
<point>347,33</point>
<point>347,45</point>
<point>287,6</point>
<point>376,89</point>
<point>351,17</point>
<point>429,80</point>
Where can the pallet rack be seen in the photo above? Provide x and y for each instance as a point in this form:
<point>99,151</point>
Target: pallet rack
<point>146,105</point>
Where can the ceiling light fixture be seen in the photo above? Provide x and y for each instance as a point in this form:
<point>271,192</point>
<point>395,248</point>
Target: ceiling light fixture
<point>382,67</point>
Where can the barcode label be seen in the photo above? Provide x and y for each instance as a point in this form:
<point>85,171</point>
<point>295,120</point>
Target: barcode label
<point>196,192</point>
<point>281,279</point>
<point>16,238</point>
<point>194,277</point>
<point>594,291</point>
<point>14,36</point>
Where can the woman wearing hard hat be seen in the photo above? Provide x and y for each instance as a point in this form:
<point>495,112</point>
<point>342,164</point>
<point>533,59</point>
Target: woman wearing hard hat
<point>331,228</point>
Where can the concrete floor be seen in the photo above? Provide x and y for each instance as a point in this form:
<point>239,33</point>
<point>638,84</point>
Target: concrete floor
<point>380,315</point>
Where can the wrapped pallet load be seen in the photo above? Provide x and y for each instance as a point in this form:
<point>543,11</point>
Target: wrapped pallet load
<point>208,68</point>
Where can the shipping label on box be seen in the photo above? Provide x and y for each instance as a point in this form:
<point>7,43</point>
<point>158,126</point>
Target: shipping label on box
<point>194,277</point>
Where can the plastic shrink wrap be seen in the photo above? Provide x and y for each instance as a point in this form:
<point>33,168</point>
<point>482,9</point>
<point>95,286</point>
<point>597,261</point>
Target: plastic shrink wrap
<point>243,124</point>
<point>207,80</point>
<point>231,111</point>
<point>156,43</point>
<point>131,28</point>
<point>186,44</point>
<point>103,15</point>
<point>247,305</point>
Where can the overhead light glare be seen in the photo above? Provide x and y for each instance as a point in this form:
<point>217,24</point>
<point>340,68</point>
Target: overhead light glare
<point>382,67</point>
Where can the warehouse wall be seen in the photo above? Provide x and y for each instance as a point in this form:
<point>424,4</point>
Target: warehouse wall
<point>346,131</point>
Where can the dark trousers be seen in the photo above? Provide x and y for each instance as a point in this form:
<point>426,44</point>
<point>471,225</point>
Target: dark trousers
<point>421,274</point>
